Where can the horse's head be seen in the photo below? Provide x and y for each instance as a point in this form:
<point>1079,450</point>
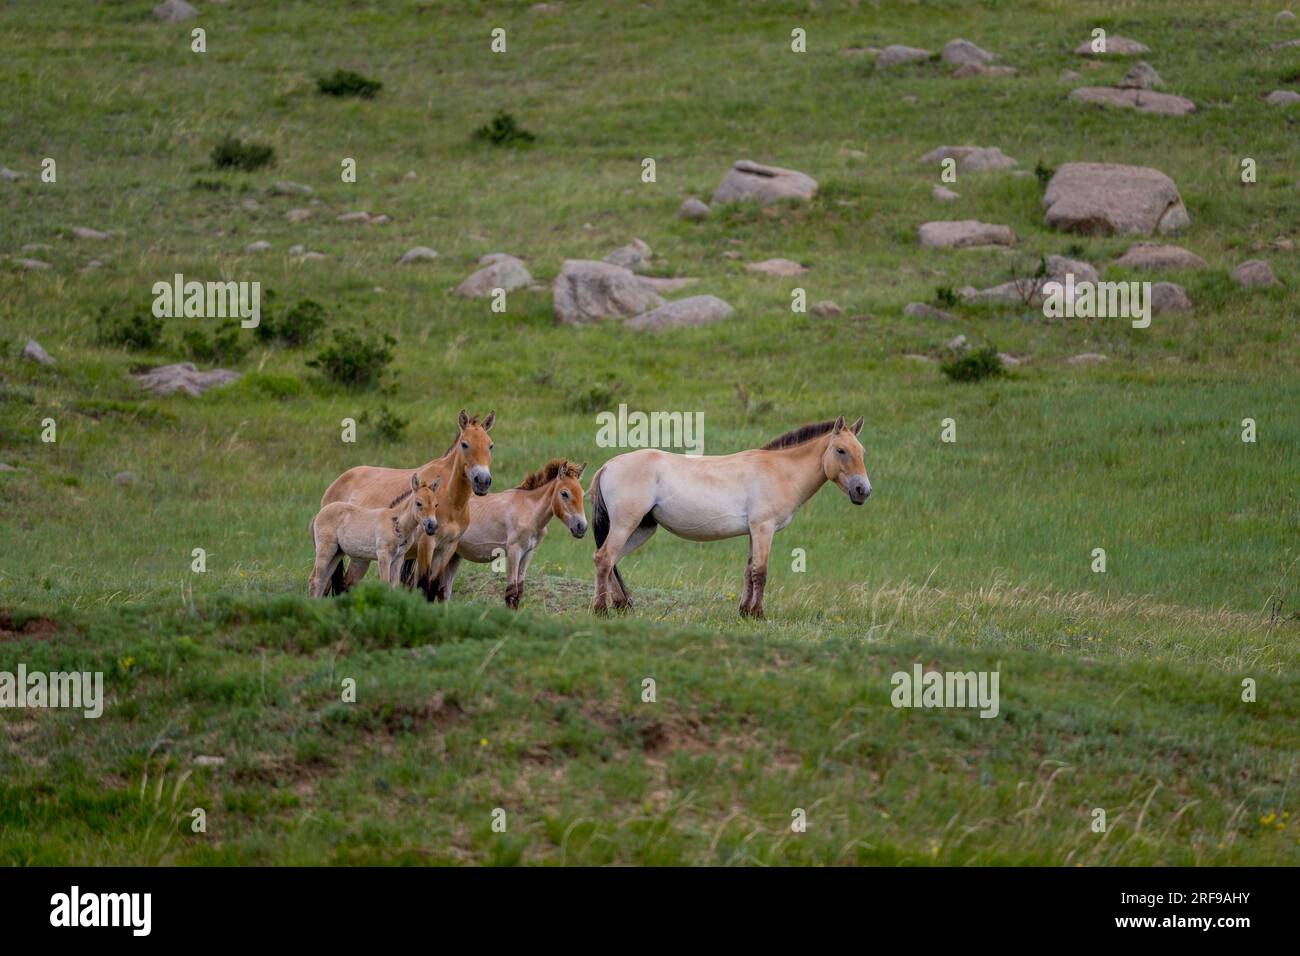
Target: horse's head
<point>474,448</point>
<point>566,501</point>
<point>424,505</point>
<point>842,461</point>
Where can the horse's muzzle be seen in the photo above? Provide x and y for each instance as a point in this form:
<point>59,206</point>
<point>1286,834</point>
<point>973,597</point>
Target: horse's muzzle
<point>859,490</point>
<point>578,527</point>
<point>430,526</point>
<point>480,480</point>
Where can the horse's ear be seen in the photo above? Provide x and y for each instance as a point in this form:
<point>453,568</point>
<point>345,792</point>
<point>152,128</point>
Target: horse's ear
<point>415,481</point>
<point>581,469</point>
<point>488,422</point>
<point>856,426</point>
<point>463,420</point>
<point>436,482</point>
<point>839,426</point>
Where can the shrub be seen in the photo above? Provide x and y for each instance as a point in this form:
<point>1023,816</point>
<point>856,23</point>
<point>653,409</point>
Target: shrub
<point>504,130</point>
<point>270,385</point>
<point>234,153</point>
<point>974,365</point>
<point>347,83</point>
<point>1044,173</point>
<point>139,332</point>
<point>296,327</point>
<point>226,346</point>
<point>595,397</point>
<point>354,362</point>
<point>388,424</point>
<point>947,297</point>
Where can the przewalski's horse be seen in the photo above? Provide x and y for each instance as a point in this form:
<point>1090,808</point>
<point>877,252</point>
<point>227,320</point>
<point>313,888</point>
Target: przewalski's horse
<point>515,521</point>
<point>465,470</point>
<point>384,535</point>
<point>706,498</point>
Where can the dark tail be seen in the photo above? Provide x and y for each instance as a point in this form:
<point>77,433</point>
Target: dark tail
<point>600,523</point>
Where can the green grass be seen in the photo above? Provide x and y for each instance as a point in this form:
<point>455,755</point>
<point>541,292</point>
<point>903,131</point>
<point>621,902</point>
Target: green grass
<point>1120,690</point>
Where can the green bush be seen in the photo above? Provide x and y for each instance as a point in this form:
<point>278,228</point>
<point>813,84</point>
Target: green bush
<point>234,153</point>
<point>974,365</point>
<point>504,130</point>
<point>270,385</point>
<point>353,361</point>
<point>387,423</point>
<point>294,328</point>
<point>139,331</point>
<point>347,83</point>
<point>226,346</point>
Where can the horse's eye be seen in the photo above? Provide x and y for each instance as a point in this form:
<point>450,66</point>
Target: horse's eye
<point>465,445</point>
<point>564,495</point>
<point>419,504</point>
<point>490,447</point>
<point>840,450</point>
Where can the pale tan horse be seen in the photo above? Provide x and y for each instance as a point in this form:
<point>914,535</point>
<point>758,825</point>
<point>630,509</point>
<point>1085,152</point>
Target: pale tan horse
<point>707,498</point>
<point>513,523</point>
<point>465,470</point>
<point>384,535</point>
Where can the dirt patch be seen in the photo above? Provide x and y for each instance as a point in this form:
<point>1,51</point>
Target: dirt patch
<point>13,628</point>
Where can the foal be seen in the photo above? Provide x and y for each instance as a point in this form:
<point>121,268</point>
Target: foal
<point>514,523</point>
<point>384,535</point>
<point>706,498</point>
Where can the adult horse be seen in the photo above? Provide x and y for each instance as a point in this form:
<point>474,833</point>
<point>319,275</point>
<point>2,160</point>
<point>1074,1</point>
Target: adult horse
<point>465,469</point>
<point>707,498</point>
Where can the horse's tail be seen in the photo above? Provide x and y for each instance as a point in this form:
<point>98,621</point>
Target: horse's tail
<point>335,583</point>
<point>600,521</point>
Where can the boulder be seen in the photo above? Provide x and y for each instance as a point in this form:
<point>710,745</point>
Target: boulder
<point>587,291</point>
<point>777,267</point>
<point>1282,97</point>
<point>944,194</point>
<point>504,272</point>
<point>1113,46</point>
<point>693,209</point>
<point>1111,199</point>
<point>970,159</point>
<point>694,310</point>
<point>963,53</point>
<point>33,352</point>
<point>1154,255</point>
<point>416,254</point>
<point>632,256</point>
<point>961,233</point>
<point>1141,76</point>
<point>183,377</point>
<point>1142,100</point>
<point>1168,297</point>
<point>1254,273</point>
<point>896,55</point>
<point>748,180</point>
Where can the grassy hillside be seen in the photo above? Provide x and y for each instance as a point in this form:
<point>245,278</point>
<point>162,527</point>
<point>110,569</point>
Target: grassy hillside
<point>1120,690</point>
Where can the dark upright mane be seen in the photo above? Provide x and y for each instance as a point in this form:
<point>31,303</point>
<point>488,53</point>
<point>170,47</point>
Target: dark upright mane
<point>400,498</point>
<point>555,468</point>
<point>797,436</point>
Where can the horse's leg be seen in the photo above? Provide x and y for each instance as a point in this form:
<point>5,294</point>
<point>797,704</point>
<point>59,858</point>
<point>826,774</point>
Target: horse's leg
<point>448,576</point>
<point>357,569</point>
<point>328,557</point>
<point>384,558</point>
<point>747,593</point>
<point>524,561</point>
<point>640,536</point>
<point>424,576</point>
<point>760,543</point>
<point>514,581</point>
<point>606,557</point>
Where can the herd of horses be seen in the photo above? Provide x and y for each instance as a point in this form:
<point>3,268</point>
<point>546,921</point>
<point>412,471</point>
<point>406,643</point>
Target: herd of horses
<point>418,524</point>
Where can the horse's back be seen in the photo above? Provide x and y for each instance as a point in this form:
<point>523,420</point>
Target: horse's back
<point>368,485</point>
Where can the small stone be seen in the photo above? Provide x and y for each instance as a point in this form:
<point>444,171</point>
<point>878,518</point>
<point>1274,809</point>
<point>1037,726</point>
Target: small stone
<point>963,52</point>
<point>1254,273</point>
<point>124,478</point>
<point>35,265</point>
<point>260,246</point>
<point>297,250</point>
<point>286,188</point>
<point>10,175</point>
<point>632,256</point>
<point>33,352</point>
<point>695,310</point>
<point>183,377</point>
<point>313,257</point>
<point>1141,76</point>
<point>980,69</point>
<point>970,159</point>
<point>5,466</point>
<point>693,208</point>
<point>504,272</point>
<point>83,232</point>
<point>1142,100</point>
<point>944,194</point>
<point>1168,297</point>
<point>1112,46</point>
<point>298,215</point>
<point>896,54</point>
<point>1086,358</point>
<point>587,291</point>
<point>962,233</point>
<point>357,216</point>
<point>417,254</point>
<point>826,309</point>
<point>750,181</point>
<point>777,267</point>
<point>1282,97</point>
<point>1008,359</point>
<point>204,760</point>
<point>956,344</point>
<point>1154,255</point>
<point>381,220</point>
<point>921,310</point>
<point>174,11</point>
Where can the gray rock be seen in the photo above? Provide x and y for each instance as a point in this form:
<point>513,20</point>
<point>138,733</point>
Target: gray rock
<point>313,257</point>
<point>1111,199</point>
<point>286,188</point>
<point>961,233</point>
<point>1086,358</point>
<point>1154,255</point>
<point>956,344</point>
<point>33,352</point>
<point>34,265</point>
<point>174,11</point>
<point>298,215</point>
<point>777,267</point>
<point>83,232</point>
<point>355,216</point>
<point>962,52</point>
<point>632,256</point>
<point>1031,291</point>
<point>967,70</point>
<point>944,194</point>
<point>297,250</point>
<point>1114,46</point>
<point>417,254</point>
<point>587,291</point>
<point>826,309</point>
<point>1141,76</point>
<point>1142,100</point>
<point>504,272</point>
<point>695,310</point>
<point>5,466</point>
<point>920,310</point>
<point>1009,360</point>
<point>896,55</point>
<point>10,175</point>
<point>1058,267</point>
<point>1254,273</point>
<point>693,209</point>
<point>970,159</point>
<point>1284,15</point>
<point>124,478</point>
<point>1168,297</point>
<point>1282,97</point>
<point>183,377</point>
<point>662,285</point>
<point>748,180</point>
<point>260,246</point>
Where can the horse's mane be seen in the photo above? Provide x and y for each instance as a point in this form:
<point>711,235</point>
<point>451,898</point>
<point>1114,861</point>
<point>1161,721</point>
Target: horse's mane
<point>555,468</point>
<point>797,436</point>
<point>400,498</point>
